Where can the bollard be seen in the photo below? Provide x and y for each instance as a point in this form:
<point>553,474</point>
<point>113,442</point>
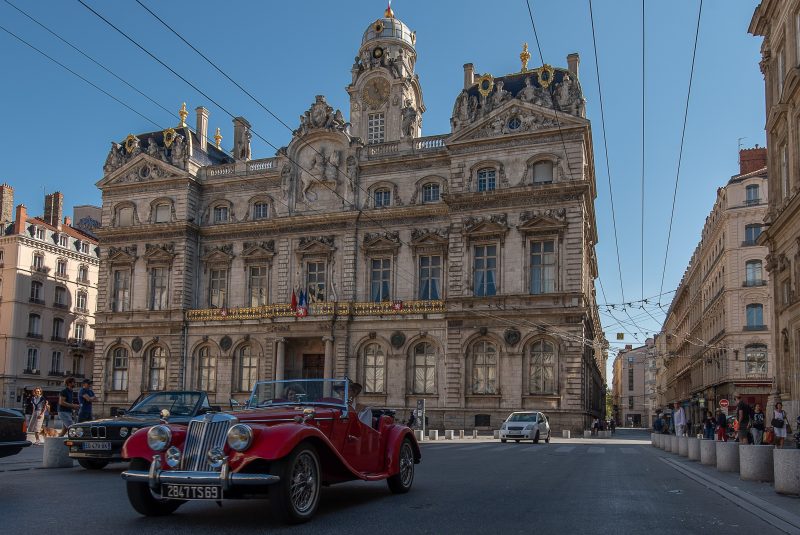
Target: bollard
<point>565,433</point>
<point>694,449</point>
<point>460,433</point>
<point>433,434</point>
<point>673,444</point>
<point>418,435</point>
<point>668,443</point>
<point>787,470</point>
<point>475,433</point>
<point>496,433</point>
<point>652,439</point>
<point>661,440</point>
<point>448,434</point>
<point>683,446</point>
<point>587,434</point>
<point>56,453</point>
<point>708,452</point>
<point>755,463</point>
<point>728,456</point>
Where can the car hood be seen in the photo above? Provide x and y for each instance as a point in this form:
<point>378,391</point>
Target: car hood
<point>134,421</point>
<point>283,413</point>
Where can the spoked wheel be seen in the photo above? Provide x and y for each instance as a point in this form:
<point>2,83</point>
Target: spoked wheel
<point>92,464</point>
<point>296,497</point>
<point>143,500</point>
<point>400,483</point>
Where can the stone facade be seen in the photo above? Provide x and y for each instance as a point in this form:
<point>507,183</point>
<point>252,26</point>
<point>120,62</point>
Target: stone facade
<point>456,268</point>
<point>779,23</point>
<point>718,331</point>
<point>48,296</point>
<point>630,402</point>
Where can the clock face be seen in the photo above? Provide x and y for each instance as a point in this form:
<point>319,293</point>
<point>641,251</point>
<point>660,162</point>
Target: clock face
<point>375,92</point>
<point>377,52</point>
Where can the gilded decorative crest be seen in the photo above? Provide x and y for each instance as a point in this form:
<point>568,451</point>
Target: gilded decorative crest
<point>184,113</point>
<point>169,136</point>
<point>546,75</point>
<point>131,142</point>
<point>485,84</point>
<point>218,138</point>
<point>524,57</point>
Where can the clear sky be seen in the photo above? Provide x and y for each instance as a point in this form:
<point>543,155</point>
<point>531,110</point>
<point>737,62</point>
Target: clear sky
<point>56,130</point>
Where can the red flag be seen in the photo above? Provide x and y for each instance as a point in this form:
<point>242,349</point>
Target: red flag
<point>294,300</point>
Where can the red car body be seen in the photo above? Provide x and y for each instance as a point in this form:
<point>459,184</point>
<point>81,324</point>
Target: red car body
<point>343,447</point>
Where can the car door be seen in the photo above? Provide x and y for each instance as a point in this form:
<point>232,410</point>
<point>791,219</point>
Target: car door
<point>361,446</point>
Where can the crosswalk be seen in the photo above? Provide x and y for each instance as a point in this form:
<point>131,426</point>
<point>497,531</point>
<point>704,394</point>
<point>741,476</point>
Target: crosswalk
<point>528,448</point>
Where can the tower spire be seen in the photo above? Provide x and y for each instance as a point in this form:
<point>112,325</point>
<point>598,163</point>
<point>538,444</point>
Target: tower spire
<point>389,14</point>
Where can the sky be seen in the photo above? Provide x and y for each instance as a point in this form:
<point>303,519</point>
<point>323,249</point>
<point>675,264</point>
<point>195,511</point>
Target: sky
<point>57,129</point>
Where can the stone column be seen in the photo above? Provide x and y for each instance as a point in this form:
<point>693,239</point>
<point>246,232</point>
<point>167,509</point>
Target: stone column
<point>328,371</point>
<point>280,357</point>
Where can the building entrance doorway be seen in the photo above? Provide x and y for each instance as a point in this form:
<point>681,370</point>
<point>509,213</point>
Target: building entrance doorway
<point>313,366</point>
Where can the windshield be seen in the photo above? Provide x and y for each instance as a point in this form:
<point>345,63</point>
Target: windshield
<point>522,417</point>
<point>177,403</point>
<point>299,391</point>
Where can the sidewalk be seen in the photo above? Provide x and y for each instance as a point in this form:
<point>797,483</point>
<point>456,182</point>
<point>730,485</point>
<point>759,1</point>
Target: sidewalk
<point>28,458</point>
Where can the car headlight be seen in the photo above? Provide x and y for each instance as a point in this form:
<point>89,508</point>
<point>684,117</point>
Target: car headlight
<point>216,457</point>
<point>123,432</point>
<point>159,437</point>
<point>528,427</point>
<point>173,456</point>
<point>72,433</point>
<point>240,437</point>
<point>78,432</point>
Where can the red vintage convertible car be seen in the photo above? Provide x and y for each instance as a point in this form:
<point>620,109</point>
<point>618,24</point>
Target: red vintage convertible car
<point>291,438</point>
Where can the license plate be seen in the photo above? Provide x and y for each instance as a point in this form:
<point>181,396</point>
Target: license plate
<point>94,446</point>
<point>192,492</point>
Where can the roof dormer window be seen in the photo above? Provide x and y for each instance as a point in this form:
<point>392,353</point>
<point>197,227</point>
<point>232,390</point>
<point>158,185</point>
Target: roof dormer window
<point>39,233</point>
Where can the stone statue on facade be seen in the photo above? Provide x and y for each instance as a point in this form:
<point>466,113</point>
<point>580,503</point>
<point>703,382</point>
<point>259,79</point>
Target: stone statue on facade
<point>409,116</point>
<point>178,151</point>
<point>332,166</point>
<point>152,148</point>
<point>527,93</point>
<point>500,95</point>
<point>563,94</point>
<point>114,158</point>
<point>243,147</point>
<point>286,180</point>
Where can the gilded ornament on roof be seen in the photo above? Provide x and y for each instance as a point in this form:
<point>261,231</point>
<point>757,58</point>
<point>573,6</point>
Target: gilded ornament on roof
<point>184,114</point>
<point>485,84</point>
<point>169,136</point>
<point>130,143</point>
<point>524,57</point>
<point>218,138</point>
<point>546,75</point>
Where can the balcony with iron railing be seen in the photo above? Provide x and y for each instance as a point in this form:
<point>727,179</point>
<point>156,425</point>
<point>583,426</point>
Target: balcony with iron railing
<point>29,371</point>
<point>36,300</point>
<point>56,338</point>
<point>40,269</point>
<point>37,336</point>
<point>80,343</point>
<point>754,282</point>
<point>755,328</point>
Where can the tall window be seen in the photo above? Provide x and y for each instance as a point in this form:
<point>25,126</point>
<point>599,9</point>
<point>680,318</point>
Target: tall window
<point>220,214</point>
<point>218,288</point>
<point>543,267</point>
<point>484,368</point>
<point>80,301</point>
<point>85,247</point>
<point>60,299</point>
<point>119,369</point>
<point>63,240</point>
<point>58,329</point>
<point>248,369</point>
<point>542,376</point>
<point>157,380</point>
<point>33,359</point>
<point>382,197</point>
<point>374,368</point>
<point>77,364</point>
<point>784,172</point>
<point>207,378</point>
<point>751,233</point>
<point>260,210</point>
<point>755,357</point>
<point>543,172</point>
<point>430,192</point>
<point>430,276</point>
<point>56,363</point>
<point>424,368</point>
<point>485,270</point>
<point>797,39</point>
<point>630,379</point>
<point>61,268</point>
<point>751,194</point>
<point>37,292</point>
<point>158,298</point>
<point>125,217</point>
<point>39,233</point>
<point>486,179</point>
<point>753,272</point>
<point>38,261</point>
<point>315,280</point>
<point>35,325</point>
<point>380,279</point>
<point>376,130</point>
<point>257,284</point>
<point>83,274</point>
<point>80,331</point>
<point>121,296</point>
<point>781,70</point>
<point>755,316</point>
<point>786,292</point>
<point>630,402</point>
<point>163,213</point>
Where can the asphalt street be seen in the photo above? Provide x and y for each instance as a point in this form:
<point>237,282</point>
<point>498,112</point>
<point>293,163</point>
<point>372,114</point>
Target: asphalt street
<point>568,486</point>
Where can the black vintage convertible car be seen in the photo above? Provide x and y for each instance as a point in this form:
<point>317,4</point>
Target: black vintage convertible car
<point>12,433</point>
<point>95,444</point>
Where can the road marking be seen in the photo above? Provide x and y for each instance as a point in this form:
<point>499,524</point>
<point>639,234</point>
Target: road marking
<point>564,449</point>
<point>596,449</point>
<point>478,447</point>
<point>630,451</point>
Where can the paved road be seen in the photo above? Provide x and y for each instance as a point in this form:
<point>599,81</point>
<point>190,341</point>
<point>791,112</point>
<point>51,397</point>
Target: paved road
<point>467,487</point>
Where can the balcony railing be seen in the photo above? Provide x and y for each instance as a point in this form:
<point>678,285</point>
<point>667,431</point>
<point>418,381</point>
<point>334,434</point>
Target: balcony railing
<point>55,338</point>
<point>29,371</point>
<point>56,373</point>
<point>83,310</point>
<point>239,168</point>
<point>749,283</point>
<point>391,148</point>
<point>284,310</point>
<point>60,305</point>
<point>34,335</point>
<point>40,269</point>
<point>752,202</point>
<point>80,342</point>
<point>755,328</point>
<point>82,280</point>
<point>749,243</point>
<point>36,301</point>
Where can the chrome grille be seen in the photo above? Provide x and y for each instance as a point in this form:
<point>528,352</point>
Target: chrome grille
<point>98,431</point>
<point>202,435</point>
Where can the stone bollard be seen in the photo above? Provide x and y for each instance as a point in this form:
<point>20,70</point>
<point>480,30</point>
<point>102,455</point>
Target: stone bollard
<point>460,433</point>
<point>694,449</point>
<point>587,434</point>
<point>728,456</point>
<point>433,434</point>
<point>662,439</point>
<point>787,470</point>
<point>475,433</point>
<point>708,452</point>
<point>496,433</point>
<point>657,437</point>
<point>683,446</point>
<point>755,462</point>
<point>673,444</point>
<point>56,453</point>
<point>448,434</point>
<point>565,433</point>
<point>652,439</point>
<point>668,443</point>
<point>418,435</point>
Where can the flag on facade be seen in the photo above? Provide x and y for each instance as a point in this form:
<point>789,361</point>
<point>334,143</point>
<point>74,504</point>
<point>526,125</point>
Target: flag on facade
<point>294,300</point>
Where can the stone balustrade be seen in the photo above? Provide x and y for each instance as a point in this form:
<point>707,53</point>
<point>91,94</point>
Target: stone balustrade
<point>252,167</point>
<point>344,308</point>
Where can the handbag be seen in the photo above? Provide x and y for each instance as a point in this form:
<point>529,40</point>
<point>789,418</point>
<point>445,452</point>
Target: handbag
<point>768,437</point>
<point>777,423</point>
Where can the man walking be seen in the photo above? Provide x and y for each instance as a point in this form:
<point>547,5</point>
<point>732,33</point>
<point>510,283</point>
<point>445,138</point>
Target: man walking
<point>86,397</point>
<point>66,404</point>
<point>743,417</point>
<point>680,420</point>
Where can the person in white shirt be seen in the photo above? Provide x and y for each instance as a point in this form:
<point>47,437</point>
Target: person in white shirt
<point>680,420</point>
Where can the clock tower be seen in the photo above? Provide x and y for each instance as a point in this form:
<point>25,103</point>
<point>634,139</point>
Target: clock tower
<point>385,94</point>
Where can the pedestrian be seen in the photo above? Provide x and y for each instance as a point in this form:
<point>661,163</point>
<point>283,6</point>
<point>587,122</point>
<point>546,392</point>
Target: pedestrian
<point>722,426</point>
<point>412,419</point>
<point>757,425</point>
<point>66,404</point>
<point>595,425</point>
<point>779,424</point>
<point>612,425</point>
<point>708,426</point>
<point>680,420</point>
<point>86,397</point>
<point>38,412</point>
<point>743,418</point>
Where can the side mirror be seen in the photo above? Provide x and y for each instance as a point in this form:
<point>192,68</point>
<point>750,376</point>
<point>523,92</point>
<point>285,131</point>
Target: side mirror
<point>234,404</point>
<point>121,412</point>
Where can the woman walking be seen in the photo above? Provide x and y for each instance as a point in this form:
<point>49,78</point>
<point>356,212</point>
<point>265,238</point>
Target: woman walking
<point>779,422</point>
<point>722,426</point>
<point>757,426</point>
<point>38,411</point>
<point>708,426</point>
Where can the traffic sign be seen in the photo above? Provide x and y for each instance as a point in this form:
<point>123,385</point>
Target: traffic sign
<point>723,403</point>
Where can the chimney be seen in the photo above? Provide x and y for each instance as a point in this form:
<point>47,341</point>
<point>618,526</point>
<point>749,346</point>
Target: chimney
<point>573,60</point>
<point>21,220</point>
<point>6,203</point>
<point>752,159</point>
<point>628,347</point>
<point>67,221</point>
<point>53,208</point>
<point>469,75</point>
<point>241,138</point>
<point>202,126</point>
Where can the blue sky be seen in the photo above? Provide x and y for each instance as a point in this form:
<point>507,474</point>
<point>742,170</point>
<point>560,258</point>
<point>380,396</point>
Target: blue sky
<point>56,129</point>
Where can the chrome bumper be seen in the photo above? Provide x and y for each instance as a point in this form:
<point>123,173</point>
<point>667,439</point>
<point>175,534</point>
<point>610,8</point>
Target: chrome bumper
<point>155,477</point>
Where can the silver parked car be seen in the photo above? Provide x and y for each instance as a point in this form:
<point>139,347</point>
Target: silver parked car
<point>526,425</point>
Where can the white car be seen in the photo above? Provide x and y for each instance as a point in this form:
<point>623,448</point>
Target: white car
<point>527,425</point>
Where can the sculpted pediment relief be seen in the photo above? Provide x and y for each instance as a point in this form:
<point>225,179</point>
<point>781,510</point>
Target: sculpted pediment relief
<point>159,252</point>
<point>221,254</point>
<point>382,241</point>
<point>257,251</point>
<point>316,245</point>
<point>122,255</point>
<point>321,116</point>
<point>429,237</point>
<point>141,168</point>
<point>515,117</point>
<point>495,225</point>
<point>552,220</point>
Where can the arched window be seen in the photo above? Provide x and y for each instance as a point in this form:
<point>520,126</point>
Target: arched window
<point>382,197</point>
<point>753,273</point>
<point>755,357</point>
<point>424,369</point>
<point>430,192</point>
<point>484,368</point>
<point>119,369</point>
<point>543,172</point>
<point>248,369</point>
<point>260,210</point>
<point>374,369</point>
<point>207,364</point>
<point>542,367</point>
<point>38,262</point>
<point>221,213</point>
<point>83,274</point>
<point>125,216</point>
<point>158,369</point>
<point>162,213</point>
<point>37,292</point>
<point>755,316</point>
<point>751,234</point>
<point>58,330</point>
<point>80,302</point>
<point>486,179</point>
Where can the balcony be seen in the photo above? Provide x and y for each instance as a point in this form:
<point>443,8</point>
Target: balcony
<point>61,275</point>
<point>755,328</point>
<point>37,336</point>
<point>751,283</point>
<point>28,371</point>
<point>749,243</point>
<point>40,269</point>
<point>82,310</point>
<point>36,300</point>
<point>752,202</point>
<point>82,280</point>
<point>55,338</point>
<point>56,373</point>
<point>81,343</point>
<point>60,305</point>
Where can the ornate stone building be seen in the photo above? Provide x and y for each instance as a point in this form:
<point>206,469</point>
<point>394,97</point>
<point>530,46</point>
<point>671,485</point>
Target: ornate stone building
<point>456,268</point>
<point>779,23</point>
<point>630,378</point>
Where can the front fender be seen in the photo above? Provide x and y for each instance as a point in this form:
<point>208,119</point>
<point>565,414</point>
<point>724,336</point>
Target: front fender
<point>136,446</point>
<point>397,434</point>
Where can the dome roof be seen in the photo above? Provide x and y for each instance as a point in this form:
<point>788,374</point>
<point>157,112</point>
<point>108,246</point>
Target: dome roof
<point>388,27</point>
